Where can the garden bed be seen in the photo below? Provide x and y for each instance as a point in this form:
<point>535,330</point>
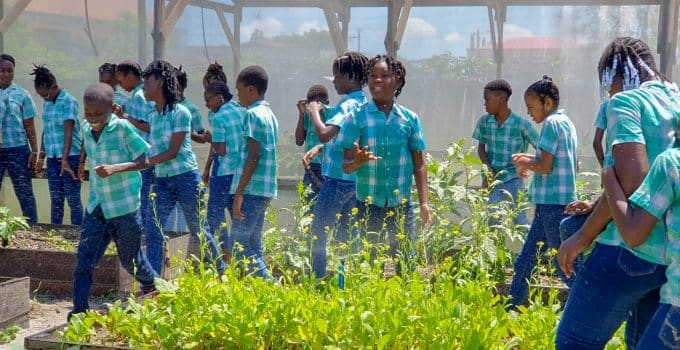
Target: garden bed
<point>14,301</point>
<point>50,339</point>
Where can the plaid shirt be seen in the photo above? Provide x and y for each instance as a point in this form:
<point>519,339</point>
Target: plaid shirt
<point>385,182</point>
<point>120,98</point>
<point>139,108</point>
<point>333,153</point>
<point>311,138</point>
<point>118,143</point>
<point>648,115</point>
<point>21,108</point>
<point>163,126</point>
<point>501,142</point>
<point>260,125</point>
<point>228,128</point>
<point>196,121</point>
<point>64,108</point>
<point>601,120</point>
<point>659,195</point>
<point>558,137</point>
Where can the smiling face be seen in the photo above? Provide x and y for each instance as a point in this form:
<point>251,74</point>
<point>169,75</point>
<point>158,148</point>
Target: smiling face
<point>538,110</point>
<point>6,73</point>
<point>382,83</point>
<point>97,114</point>
<point>213,101</point>
<point>153,88</point>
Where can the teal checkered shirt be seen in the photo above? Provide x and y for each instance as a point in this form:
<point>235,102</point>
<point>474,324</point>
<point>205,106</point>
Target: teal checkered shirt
<point>64,108</point>
<point>163,126</point>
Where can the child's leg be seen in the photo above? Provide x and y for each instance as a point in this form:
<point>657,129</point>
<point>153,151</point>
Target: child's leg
<point>128,238</point>
<point>248,232</point>
<point>526,261</point>
<point>158,210</point>
<point>552,216</point>
<point>662,332</point>
<point>402,224</point>
<point>56,185</point>
<point>328,204</point>
<point>72,189</point>
<point>147,179</point>
<point>348,201</point>
<point>514,187</point>
<point>219,200</point>
<point>16,162</point>
<point>93,241</point>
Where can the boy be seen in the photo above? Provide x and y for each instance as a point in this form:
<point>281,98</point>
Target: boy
<point>305,134</point>
<point>254,184</point>
<point>116,154</point>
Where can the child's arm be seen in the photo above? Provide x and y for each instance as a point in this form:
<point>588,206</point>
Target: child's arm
<point>81,161</point>
<point>311,154</point>
<point>68,139</point>
<point>208,166</point>
<point>597,145</point>
<point>542,165</point>
<point>252,161</point>
<point>29,127</point>
<point>300,133</point>
<point>136,107</point>
<point>41,157</point>
<point>106,170</point>
<point>323,131</point>
<point>420,175</point>
<point>175,144</point>
<point>356,158</point>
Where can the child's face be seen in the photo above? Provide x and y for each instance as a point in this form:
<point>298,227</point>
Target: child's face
<point>108,78</point>
<point>152,88</point>
<point>492,102</point>
<point>382,83</point>
<point>342,83</point>
<point>6,73</point>
<point>247,94</point>
<point>47,94</point>
<point>537,110</point>
<point>213,101</point>
<point>97,114</point>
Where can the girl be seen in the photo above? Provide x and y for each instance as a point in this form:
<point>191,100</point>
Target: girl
<point>554,183</point>
<point>107,75</point>
<point>61,145</point>
<point>214,73</point>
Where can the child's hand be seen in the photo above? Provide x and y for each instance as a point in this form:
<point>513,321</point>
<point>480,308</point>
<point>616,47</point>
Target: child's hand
<point>105,170</point>
<point>81,173</point>
<point>38,170</point>
<point>425,215</point>
<point>207,136</point>
<point>238,202</point>
<point>522,172</point>
<point>362,155</point>
<point>31,159</point>
<point>118,111</point>
<point>301,107</point>
<point>314,106</point>
<point>522,160</point>
<point>206,177</point>
<point>307,157</point>
<point>577,208</point>
<point>66,168</point>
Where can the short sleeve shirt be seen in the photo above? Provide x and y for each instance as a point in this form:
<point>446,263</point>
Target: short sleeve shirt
<point>139,108</point>
<point>118,194</point>
<point>163,126</point>
<point>228,128</point>
<point>120,98</point>
<point>55,114</point>
<point>21,107</point>
<point>601,119</point>
<point>333,153</point>
<point>311,138</point>
<point>196,121</point>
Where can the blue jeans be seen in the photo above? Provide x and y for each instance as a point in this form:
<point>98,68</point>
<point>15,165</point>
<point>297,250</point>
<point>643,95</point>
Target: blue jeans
<point>64,186</point>
<point>313,179</point>
<point>95,235</point>
<point>336,197</point>
<point>183,189</point>
<point>248,234</point>
<point>15,161</point>
<point>662,332</point>
<point>219,200</point>
<point>147,180</point>
<point>545,229</point>
<point>613,286</point>
<point>569,226</point>
<point>176,221</point>
<point>510,188</point>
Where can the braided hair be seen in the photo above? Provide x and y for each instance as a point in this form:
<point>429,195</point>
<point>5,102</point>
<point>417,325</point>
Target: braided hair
<point>630,58</point>
<point>499,85</point>
<point>181,77</point>
<point>317,93</point>
<point>126,67</point>
<point>544,88</point>
<point>221,89</point>
<point>44,79</point>
<point>214,73</point>
<point>353,64</point>
<point>394,66</point>
<point>107,68</point>
<point>7,57</point>
<point>165,72</point>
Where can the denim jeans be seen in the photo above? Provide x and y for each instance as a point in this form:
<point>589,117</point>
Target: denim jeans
<point>569,226</point>
<point>313,179</point>
<point>147,180</point>
<point>176,221</point>
<point>336,197</point>
<point>15,161</point>
<point>613,286</point>
<point>248,234</point>
<point>185,190</point>
<point>64,186</point>
<point>662,332</point>
<point>95,235</point>
<point>510,188</point>
<point>219,200</point>
<point>545,229</point>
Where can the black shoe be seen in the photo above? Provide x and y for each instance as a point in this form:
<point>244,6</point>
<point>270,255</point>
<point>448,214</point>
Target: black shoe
<point>73,312</point>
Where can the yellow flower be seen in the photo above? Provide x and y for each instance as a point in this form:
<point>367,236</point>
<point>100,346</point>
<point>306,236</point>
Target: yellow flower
<point>238,246</point>
<point>203,212</point>
<point>369,199</point>
<point>338,216</point>
<point>404,200</point>
<point>152,195</point>
<point>401,236</point>
<point>305,229</point>
<point>201,185</point>
<point>223,225</point>
<point>540,244</point>
<point>396,191</point>
<point>390,214</point>
<point>355,211</point>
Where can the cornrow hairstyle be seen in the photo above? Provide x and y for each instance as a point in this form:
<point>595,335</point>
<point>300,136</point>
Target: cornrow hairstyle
<point>394,66</point>
<point>129,67</point>
<point>630,58</point>
<point>317,93</point>
<point>499,85</point>
<point>221,89</point>
<point>181,77</point>
<point>545,88</point>
<point>165,72</point>
<point>254,76</point>
<point>107,68</point>
<point>6,57</point>
<point>44,79</point>
<point>353,64</point>
<point>215,72</point>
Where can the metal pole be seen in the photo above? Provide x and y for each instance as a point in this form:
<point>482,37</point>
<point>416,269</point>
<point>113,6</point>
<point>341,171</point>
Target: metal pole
<point>158,38</point>
<point>2,35</point>
<point>141,31</point>
<point>238,14</point>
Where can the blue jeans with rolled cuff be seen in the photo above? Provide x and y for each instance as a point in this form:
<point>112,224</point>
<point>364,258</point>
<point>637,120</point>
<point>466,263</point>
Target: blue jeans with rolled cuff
<point>15,161</point>
<point>247,233</point>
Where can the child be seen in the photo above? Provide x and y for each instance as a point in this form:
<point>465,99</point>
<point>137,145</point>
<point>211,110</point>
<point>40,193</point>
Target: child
<point>177,178</point>
<point>19,150</point>
<point>116,154</point>
<point>600,127</point>
<point>338,195</point>
<point>305,134</point>
<point>553,185</point>
<point>384,145</point>
<point>214,73</point>
<point>227,121</point>
<point>61,145</point>
<point>107,75</point>
<point>254,184</point>
<point>501,134</point>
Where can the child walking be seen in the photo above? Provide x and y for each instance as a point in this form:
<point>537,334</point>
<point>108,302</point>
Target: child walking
<point>553,185</point>
<point>61,145</point>
<point>107,75</point>
<point>305,134</point>
<point>116,154</point>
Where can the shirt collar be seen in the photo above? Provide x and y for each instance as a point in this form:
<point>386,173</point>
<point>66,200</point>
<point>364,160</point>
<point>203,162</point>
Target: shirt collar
<point>259,103</point>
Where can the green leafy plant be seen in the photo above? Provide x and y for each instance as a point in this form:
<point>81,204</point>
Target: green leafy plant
<point>8,334</point>
<point>10,224</point>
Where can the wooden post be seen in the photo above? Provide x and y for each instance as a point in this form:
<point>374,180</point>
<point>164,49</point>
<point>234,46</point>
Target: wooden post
<point>141,31</point>
<point>157,35</point>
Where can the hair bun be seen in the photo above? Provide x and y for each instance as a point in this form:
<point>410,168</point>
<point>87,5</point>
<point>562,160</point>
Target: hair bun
<point>546,77</point>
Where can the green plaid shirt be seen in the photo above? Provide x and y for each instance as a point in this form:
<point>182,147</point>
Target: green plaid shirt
<point>139,108</point>
<point>120,98</point>
<point>118,143</point>
<point>163,126</point>
<point>260,125</point>
<point>311,138</point>
<point>648,115</point>
<point>558,137</point>
<point>21,107</point>
<point>64,108</point>
<point>385,182</point>
<point>228,128</point>
<point>501,142</point>
<point>659,195</point>
<point>333,153</point>
<point>601,120</point>
<point>196,121</point>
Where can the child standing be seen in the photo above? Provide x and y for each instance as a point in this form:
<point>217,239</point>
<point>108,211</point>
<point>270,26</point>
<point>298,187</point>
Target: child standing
<point>384,145</point>
<point>107,75</point>
<point>254,184</point>
<point>501,134</point>
<point>116,154</point>
<point>338,194</point>
<point>214,73</point>
<point>553,185</point>
<point>61,145</point>
<point>19,150</point>
<point>177,178</point>
<point>305,134</point>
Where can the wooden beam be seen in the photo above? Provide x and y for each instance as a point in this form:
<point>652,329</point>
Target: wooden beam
<point>449,3</point>
<point>668,36</point>
<point>339,42</point>
<point>13,14</point>
<point>212,5</point>
<point>393,8</point>
<point>403,20</point>
<point>227,31</point>
<point>171,14</point>
<point>157,34</point>
<point>141,31</point>
<point>238,16</point>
